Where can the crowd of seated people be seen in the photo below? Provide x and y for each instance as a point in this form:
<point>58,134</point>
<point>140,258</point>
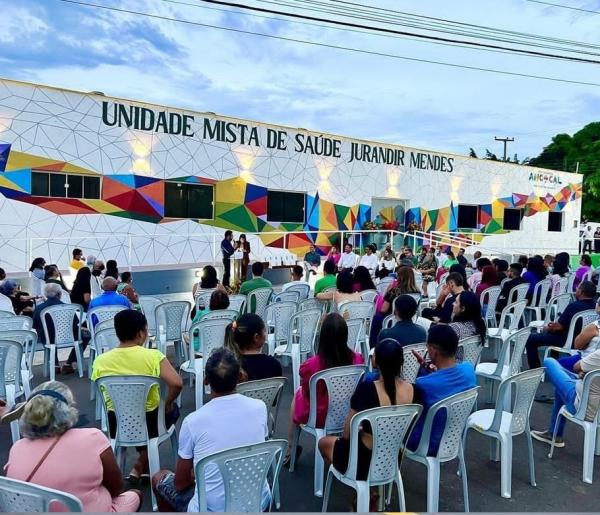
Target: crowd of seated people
<point>49,417</point>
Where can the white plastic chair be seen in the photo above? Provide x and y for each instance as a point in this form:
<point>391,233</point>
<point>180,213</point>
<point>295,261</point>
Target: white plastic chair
<point>389,321</point>
<point>65,297</point>
<point>105,324</point>
<point>457,408</point>
<point>285,296</point>
<point>301,342</point>
<point>384,284</point>
<point>28,339</point>
<point>302,288</point>
<point>237,302</point>
<point>355,337</point>
<point>368,295</point>
<point>244,471</point>
<point>508,420</point>
<point>171,321</point>
<point>505,280</point>
<point>491,296</point>
<point>539,301</point>
<point>95,287</point>
<point>518,293</point>
<point>578,322</point>
<point>21,497</point>
<point>128,395</point>
<point>340,383</point>
<point>16,322</point>
<point>312,303</point>
<point>225,314</point>
<point>509,322</point>
<point>560,286</point>
<point>411,366</point>
<point>14,382</point>
<point>6,305</point>
<point>556,306</point>
<point>389,425</point>
<point>362,310</point>
<point>149,304</point>
<point>570,282</point>
<point>591,435</point>
<point>267,390</point>
<point>277,320</point>
<point>202,297</point>
<point>510,360</point>
<point>64,318</point>
<point>201,291</point>
<point>211,334</point>
<point>469,350</point>
<point>258,300</point>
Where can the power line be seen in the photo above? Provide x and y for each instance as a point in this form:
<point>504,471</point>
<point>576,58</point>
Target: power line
<point>327,45</point>
<point>581,9</point>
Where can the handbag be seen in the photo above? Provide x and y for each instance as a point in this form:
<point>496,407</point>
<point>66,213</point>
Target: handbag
<point>42,459</point>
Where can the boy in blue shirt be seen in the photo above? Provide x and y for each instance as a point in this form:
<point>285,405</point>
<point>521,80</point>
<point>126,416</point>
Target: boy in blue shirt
<point>440,378</point>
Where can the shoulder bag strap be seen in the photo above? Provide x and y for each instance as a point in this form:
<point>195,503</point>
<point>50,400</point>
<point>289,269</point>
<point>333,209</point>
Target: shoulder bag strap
<point>42,459</point>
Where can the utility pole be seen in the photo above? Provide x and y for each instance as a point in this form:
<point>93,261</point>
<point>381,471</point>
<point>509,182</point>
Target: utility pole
<point>505,141</point>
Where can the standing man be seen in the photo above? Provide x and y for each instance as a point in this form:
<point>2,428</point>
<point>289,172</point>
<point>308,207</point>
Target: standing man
<point>588,237</point>
<point>460,257</point>
<point>227,251</point>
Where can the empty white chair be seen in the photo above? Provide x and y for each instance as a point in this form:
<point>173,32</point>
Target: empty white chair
<point>267,390</point>
<point>244,471</point>
<point>591,438</point>
<point>578,322</point>
<point>556,306</point>
<point>368,295</point>
<point>258,300</point>
<point>13,382</point>
<point>340,383</point>
<point>509,322</point>
<point>457,408</point>
<point>302,288</point>
<point>469,350</point>
<point>277,320</point>
<point>149,305</point>
<point>508,420</point>
<point>301,342</point>
<point>539,301</point>
<point>389,425</point>
<point>21,497</point>
<point>66,320</point>
<point>285,296</point>
<point>237,302</point>
<point>128,396</point>
<point>489,298</point>
<point>171,320</point>
<point>211,334</point>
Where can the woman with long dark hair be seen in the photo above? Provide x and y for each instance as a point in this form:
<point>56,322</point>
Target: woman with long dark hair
<point>332,351</point>
<point>466,316</point>
<point>81,293</point>
<point>560,268</point>
<point>362,279</point>
<point>344,293</point>
<point>112,270</point>
<point>536,272</point>
<point>388,389</point>
<point>244,245</point>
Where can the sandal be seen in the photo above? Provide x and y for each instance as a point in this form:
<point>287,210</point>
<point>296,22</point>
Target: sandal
<point>288,457</point>
<point>13,413</point>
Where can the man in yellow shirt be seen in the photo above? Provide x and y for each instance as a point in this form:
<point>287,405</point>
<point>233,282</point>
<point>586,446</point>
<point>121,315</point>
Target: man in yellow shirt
<point>78,260</point>
<point>130,357</point>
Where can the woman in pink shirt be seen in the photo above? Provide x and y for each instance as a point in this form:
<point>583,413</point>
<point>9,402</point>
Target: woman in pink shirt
<point>334,255</point>
<point>56,455</point>
<point>332,351</point>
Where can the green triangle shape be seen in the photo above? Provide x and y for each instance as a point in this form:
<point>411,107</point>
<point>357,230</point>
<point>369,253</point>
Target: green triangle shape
<point>433,216</point>
<point>492,227</point>
<point>341,212</point>
<point>260,224</point>
<point>292,227</point>
<point>240,218</point>
<point>223,207</point>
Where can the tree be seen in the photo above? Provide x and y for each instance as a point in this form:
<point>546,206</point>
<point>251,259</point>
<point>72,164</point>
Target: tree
<point>472,153</point>
<point>491,156</point>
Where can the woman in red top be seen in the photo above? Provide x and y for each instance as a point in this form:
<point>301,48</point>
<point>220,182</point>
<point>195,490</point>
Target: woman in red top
<point>333,351</point>
<point>489,278</point>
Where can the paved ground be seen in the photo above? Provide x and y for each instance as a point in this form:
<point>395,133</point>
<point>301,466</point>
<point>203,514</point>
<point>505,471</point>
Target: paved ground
<point>559,480</point>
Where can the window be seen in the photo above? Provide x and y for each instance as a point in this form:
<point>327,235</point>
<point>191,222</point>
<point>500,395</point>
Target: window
<point>555,221</point>
<point>512,219</point>
<point>285,206</point>
<point>49,184</point>
<point>189,200</point>
<point>467,216</point>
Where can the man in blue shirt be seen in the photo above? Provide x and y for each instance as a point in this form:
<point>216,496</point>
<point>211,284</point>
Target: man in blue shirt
<point>405,331</point>
<point>227,250</point>
<point>109,296</point>
<point>440,379</point>
<point>555,333</point>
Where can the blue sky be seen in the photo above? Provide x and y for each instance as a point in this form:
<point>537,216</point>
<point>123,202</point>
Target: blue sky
<point>399,101</point>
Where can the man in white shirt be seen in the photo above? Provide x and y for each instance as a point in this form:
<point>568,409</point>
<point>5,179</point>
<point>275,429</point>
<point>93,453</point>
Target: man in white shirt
<point>369,260</point>
<point>348,259</point>
<point>588,237</point>
<point>297,273</point>
<point>214,427</point>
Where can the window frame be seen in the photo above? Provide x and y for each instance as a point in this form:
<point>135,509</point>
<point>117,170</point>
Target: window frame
<point>188,185</point>
<point>522,215</point>
<point>562,221</point>
<point>51,173</point>
<point>303,193</point>
<point>477,217</point>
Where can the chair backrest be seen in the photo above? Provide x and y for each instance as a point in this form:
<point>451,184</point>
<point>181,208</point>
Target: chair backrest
<point>286,296</point>
<point>244,471</point>
<point>516,348</point>
<point>101,314</point>
<point>505,280</point>
<point>340,383</point>
<point>95,288</point>
<point>277,316</point>
<point>105,324</point>
<point>6,305</point>
<point>489,298</point>
<point>540,293</point>
<point>11,356</point>
<point>28,340</point>
<point>228,314</point>
<point>578,322</point>
<point>105,339</point>
<point>128,395</point>
<point>302,288</point>
<point>211,334</point>
<point>6,314</point>
<point>64,317</point>
<point>312,303</point>
<point>389,321</point>
<point>526,385</point>
<point>561,286</point>
<point>591,378</point>
<point>384,284</point>
<point>267,390</point>
<point>368,295</point>
<point>258,301</point>
<point>16,322</point>
<point>390,426</point>
<point>355,333</point>
<point>65,297</point>
<point>237,302</point>
<point>518,293</point>
<point>556,307</point>
<point>513,314</point>
<point>358,309</point>
<point>202,297</point>
<point>173,317</point>
<point>470,349</point>
<point>571,282</point>
<point>303,330</point>
<point>458,407</point>
<point>21,497</point>
<point>149,305</point>
<point>411,366</point>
